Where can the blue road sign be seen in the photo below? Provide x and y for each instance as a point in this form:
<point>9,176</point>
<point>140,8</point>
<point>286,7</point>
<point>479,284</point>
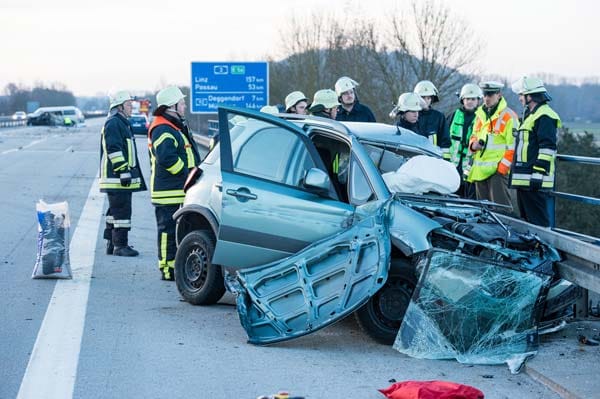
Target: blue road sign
<point>238,84</point>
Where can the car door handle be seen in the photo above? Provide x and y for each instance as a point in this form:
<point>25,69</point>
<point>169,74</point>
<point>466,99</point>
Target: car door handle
<point>241,192</point>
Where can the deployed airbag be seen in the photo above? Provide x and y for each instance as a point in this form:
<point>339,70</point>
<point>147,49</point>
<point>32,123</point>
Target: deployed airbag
<point>422,174</point>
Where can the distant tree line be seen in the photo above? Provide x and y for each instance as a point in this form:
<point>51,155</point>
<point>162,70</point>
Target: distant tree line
<point>17,96</point>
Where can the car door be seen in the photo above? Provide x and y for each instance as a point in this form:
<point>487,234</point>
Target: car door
<point>266,213</point>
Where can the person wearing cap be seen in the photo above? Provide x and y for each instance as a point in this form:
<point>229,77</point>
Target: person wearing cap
<point>324,104</point>
<point>173,155</point>
<point>120,174</point>
<point>296,103</point>
<point>350,110</point>
<point>460,125</point>
<point>432,123</point>
<point>492,146</point>
<point>407,111</point>
<point>533,172</point>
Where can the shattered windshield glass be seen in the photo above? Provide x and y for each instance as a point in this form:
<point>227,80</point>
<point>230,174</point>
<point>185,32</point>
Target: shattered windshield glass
<point>473,310</point>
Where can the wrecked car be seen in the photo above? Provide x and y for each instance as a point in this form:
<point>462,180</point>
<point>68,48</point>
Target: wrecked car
<point>293,214</point>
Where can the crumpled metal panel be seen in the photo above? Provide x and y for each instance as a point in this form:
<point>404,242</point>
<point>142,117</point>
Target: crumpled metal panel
<point>315,287</point>
<point>475,311</point>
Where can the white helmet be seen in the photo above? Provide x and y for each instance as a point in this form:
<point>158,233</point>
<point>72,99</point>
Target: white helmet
<point>119,98</point>
<point>326,98</point>
<point>344,84</point>
<point>470,90</point>
<point>270,109</point>
<point>410,102</point>
<point>169,96</point>
<point>527,85</point>
<point>425,88</point>
<point>294,98</point>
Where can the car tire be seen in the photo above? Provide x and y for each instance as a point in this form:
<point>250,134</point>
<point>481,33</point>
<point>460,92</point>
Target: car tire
<point>382,315</point>
<point>199,281</point>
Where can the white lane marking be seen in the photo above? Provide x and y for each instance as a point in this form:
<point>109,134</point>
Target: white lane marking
<point>23,147</point>
<point>32,143</point>
<point>52,367</point>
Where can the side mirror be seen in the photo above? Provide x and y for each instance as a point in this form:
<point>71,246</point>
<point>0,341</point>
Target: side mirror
<point>317,180</point>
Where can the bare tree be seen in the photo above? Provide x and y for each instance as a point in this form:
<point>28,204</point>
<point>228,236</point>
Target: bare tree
<point>433,44</point>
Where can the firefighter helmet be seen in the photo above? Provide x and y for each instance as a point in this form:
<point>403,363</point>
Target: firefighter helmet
<point>344,84</point>
<point>527,85</point>
<point>410,102</point>
<point>326,97</point>
<point>427,89</point>
<point>119,98</point>
<point>169,96</point>
<point>294,98</point>
<point>470,90</point>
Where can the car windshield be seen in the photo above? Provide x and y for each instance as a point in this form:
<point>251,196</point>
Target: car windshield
<point>386,157</point>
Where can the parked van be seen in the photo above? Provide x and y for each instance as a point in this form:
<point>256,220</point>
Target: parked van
<point>55,115</point>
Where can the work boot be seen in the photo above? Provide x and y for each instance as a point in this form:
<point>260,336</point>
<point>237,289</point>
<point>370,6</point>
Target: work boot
<point>125,251</point>
<point>109,247</point>
<point>167,273</point>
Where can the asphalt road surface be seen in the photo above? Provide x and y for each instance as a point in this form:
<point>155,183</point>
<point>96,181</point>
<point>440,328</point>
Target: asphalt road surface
<point>117,331</point>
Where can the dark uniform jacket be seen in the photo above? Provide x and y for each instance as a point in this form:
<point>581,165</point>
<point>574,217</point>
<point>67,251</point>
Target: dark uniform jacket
<point>358,113</point>
<point>118,155</point>
<point>173,153</point>
<point>432,124</point>
<point>414,127</point>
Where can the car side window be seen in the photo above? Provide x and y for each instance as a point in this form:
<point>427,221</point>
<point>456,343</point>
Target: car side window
<point>360,189</point>
<point>275,154</point>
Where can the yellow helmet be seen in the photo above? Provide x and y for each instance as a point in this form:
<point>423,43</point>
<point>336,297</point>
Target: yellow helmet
<point>344,84</point>
<point>427,89</point>
<point>119,98</point>
<point>169,96</point>
<point>294,98</point>
<point>326,98</point>
<point>527,85</point>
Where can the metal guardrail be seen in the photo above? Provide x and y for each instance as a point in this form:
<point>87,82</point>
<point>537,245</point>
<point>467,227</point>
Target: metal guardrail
<point>8,121</point>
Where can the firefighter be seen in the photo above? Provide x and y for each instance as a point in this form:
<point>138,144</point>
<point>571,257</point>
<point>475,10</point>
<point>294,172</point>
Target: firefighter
<point>460,126</point>
<point>120,174</point>
<point>407,111</point>
<point>173,154</point>
<point>492,146</point>
<point>533,171</point>
<point>324,104</point>
<point>350,110</point>
<point>296,103</point>
<point>432,123</point>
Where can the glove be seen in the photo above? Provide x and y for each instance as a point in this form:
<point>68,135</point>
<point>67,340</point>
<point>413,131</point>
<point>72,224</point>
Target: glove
<point>536,181</point>
<point>125,179</point>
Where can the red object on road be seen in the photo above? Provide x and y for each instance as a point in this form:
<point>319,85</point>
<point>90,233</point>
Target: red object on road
<point>431,390</point>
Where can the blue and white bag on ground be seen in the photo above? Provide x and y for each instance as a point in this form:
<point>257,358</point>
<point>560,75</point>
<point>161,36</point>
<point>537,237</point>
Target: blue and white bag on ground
<point>52,259</point>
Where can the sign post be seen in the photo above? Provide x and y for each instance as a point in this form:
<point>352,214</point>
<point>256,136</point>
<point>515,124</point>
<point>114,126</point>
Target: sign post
<point>237,84</point>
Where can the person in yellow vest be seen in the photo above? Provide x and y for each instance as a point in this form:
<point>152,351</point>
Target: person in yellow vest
<point>492,146</point>
<point>460,125</point>
<point>173,155</point>
<point>535,151</point>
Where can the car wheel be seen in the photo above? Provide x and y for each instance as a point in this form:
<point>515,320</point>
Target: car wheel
<point>382,315</point>
<point>199,281</point>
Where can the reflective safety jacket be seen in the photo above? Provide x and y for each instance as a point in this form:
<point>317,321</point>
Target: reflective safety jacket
<point>173,153</point>
<point>118,155</point>
<point>432,124</point>
<point>536,149</point>
<point>461,128</point>
<point>496,131</point>
<point>358,113</point>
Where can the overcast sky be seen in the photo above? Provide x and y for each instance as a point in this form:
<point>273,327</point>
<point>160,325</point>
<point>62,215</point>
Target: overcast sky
<point>144,45</point>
